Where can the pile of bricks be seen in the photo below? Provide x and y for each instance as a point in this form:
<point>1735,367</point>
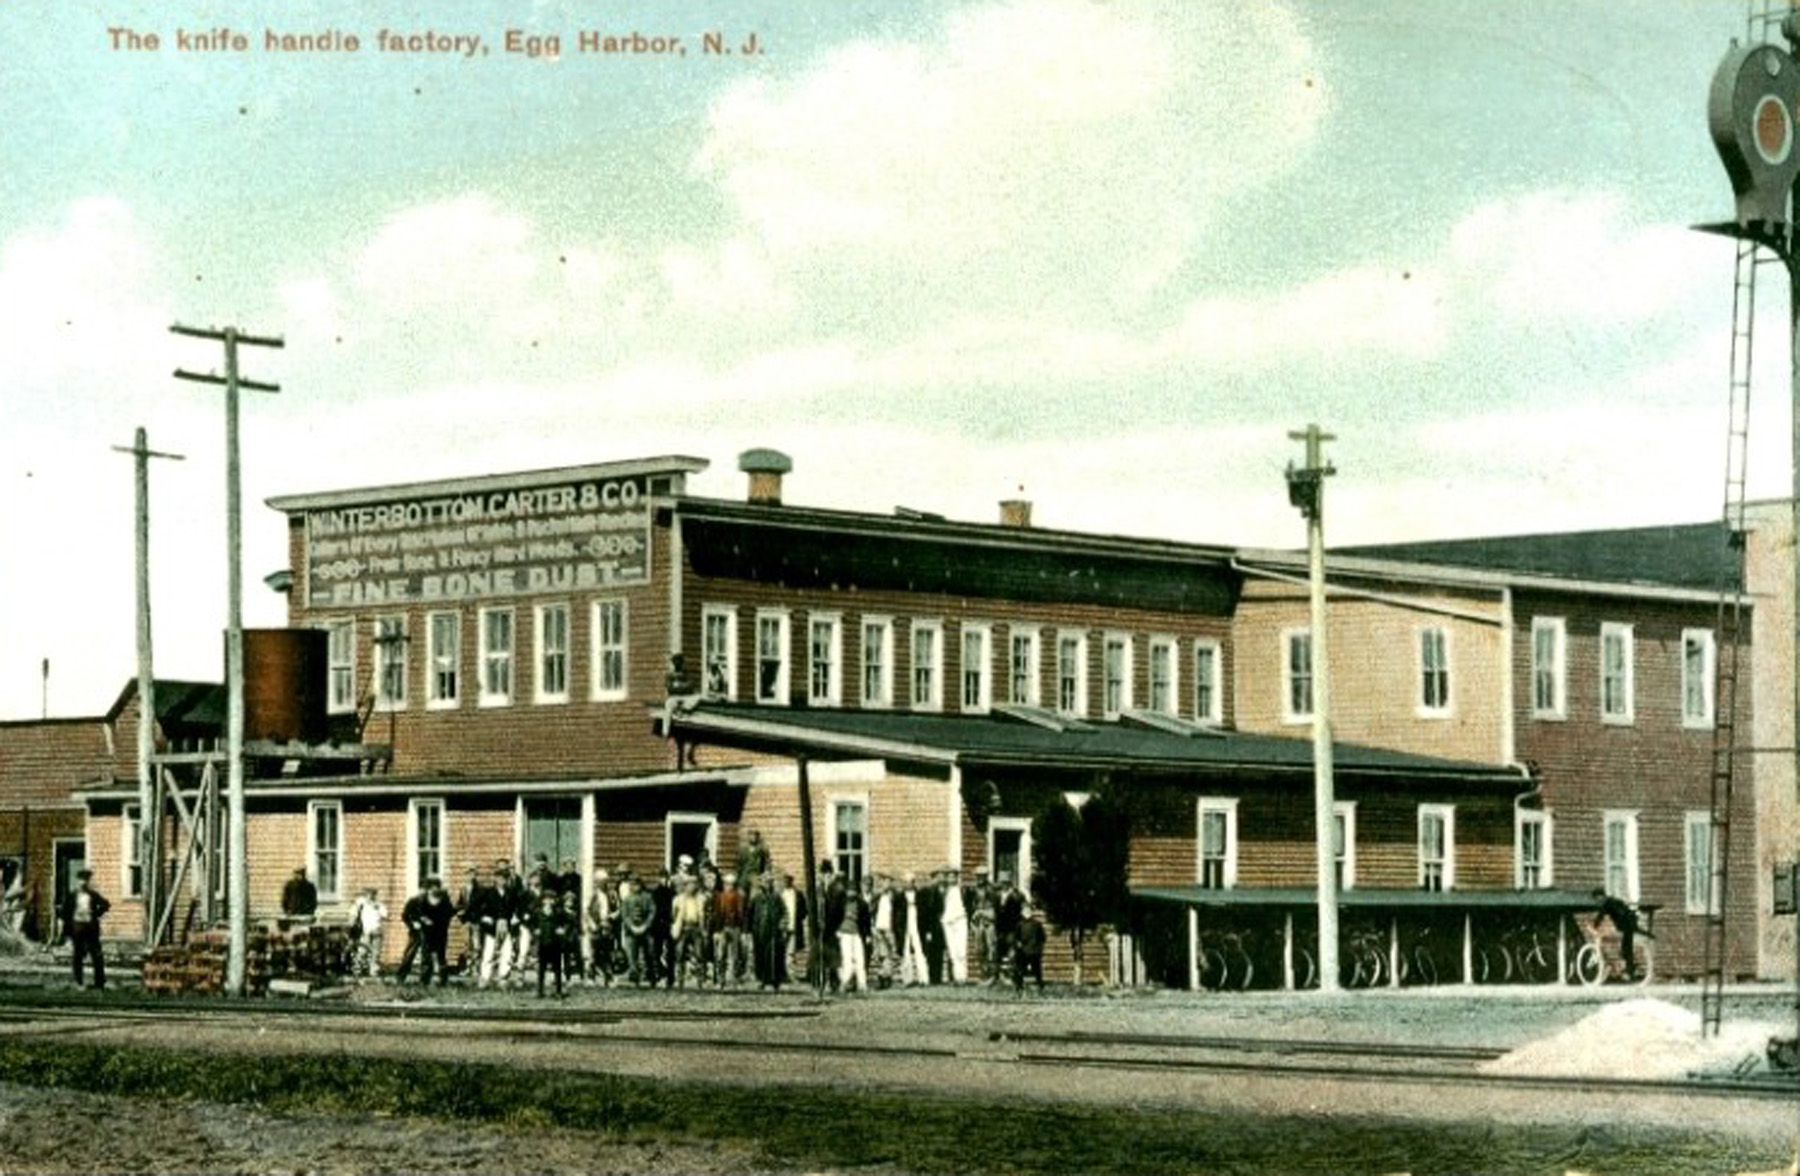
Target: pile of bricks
<point>198,966</point>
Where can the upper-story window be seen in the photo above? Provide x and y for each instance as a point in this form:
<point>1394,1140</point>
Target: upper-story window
<point>611,649</point>
<point>772,656</point>
<point>1343,843</point>
<point>1162,675</point>
<point>877,661</point>
<point>1208,698</point>
<point>1024,666</point>
<point>1616,703</point>
<point>1218,844</point>
<point>824,658</point>
<point>1296,675</point>
<point>1532,851</point>
<point>1697,664</point>
<point>340,660</point>
<point>390,662</point>
<point>1434,671</point>
<point>927,676</point>
<point>1116,661</point>
<point>977,668</point>
<point>1549,690</point>
<point>1437,846</point>
<point>553,652</point>
<point>718,649</point>
<point>496,656</point>
<point>1071,673</point>
<point>1620,849</point>
<point>443,636</point>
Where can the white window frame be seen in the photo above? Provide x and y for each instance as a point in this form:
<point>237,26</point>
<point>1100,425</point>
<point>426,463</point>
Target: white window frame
<point>131,850</point>
<point>340,885</point>
<point>492,658</point>
<point>1023,826</point>
<point>1629,879</point>
<point>1078,680</point>
<point>719,663</point>
<point>1346,811</point>
<point>415,877</point>
<point>603,615</point>
<point>439,661</point>
<point>1227,807</point>
<point>1032,678</point>
<point>1704,639</point>
<point>1541,820</point>
<point>1611,631</point>
<point>340,670</point>
<point>830,692</point>
<point>1162,674</point>
<point>388,655</point>
<point>835,805</point>
<point>1447,874</point>
<point>883,668</point>
<point>1556,670</point>
<point>552,659</point>
<point>931,698</point>
<point>1289,712</point>
<point>1428,635</point>
<point>1704,899</point>
<point>710,820</point>
<point>1115,690</point>
<point>1208,660</point>
<point>776,691</point>
<point>982,635</point>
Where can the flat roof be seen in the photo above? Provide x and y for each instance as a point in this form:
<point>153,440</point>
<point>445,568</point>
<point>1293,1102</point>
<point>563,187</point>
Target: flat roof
<point>1548,900</point>
<point>633,467</point>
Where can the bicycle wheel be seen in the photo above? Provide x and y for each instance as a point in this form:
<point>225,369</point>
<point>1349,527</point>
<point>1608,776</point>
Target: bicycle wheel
<point>1589,966</point>
<point>1247,973</point>
<point>1212,969</point>
<point>1306,972</point>
<point>1424,969</point>
<point>1535,966</point>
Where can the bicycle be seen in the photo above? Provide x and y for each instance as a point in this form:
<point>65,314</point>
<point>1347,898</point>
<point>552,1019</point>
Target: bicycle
<point>1593,966</point>
<point>1418,965</point>
<point>1366,959</point>
<point>1229,966</point>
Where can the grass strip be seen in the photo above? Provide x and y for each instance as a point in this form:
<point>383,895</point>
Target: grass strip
<point>846,1128</point>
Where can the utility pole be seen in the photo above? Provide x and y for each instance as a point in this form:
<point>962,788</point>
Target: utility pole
<point>238,873</point>
<point>149,835</point>
<point>1306,490</point>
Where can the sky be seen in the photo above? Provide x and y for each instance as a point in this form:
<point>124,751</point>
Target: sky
<point>1101,254</point>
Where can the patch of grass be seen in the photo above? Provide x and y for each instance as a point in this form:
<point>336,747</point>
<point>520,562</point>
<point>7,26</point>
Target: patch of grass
<point>830,1127</point>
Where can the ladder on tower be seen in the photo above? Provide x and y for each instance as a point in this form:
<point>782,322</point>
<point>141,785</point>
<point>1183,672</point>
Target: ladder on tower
<point>1727,662</point>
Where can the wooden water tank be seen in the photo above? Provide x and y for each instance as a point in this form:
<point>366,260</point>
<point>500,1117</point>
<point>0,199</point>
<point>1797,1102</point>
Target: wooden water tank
<point>285,678</point>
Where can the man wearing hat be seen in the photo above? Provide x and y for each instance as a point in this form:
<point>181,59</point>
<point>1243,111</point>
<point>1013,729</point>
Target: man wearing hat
<point>81,913</point>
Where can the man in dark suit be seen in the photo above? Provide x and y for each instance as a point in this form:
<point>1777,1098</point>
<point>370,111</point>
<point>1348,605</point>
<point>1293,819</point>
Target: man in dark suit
<point>931,928</point>
<point>81,913</point>
<point>427,917</point>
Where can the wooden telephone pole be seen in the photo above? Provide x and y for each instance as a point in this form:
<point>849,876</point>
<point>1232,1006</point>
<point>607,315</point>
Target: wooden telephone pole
<point>149,837</point>
<point>238,872</point>
<point>1306,490</point>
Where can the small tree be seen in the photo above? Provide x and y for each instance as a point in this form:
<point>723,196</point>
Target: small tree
<point>1082,855</point>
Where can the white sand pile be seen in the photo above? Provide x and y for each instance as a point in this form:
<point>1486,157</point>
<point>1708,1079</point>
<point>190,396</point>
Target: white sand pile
<point>1648,1039</point>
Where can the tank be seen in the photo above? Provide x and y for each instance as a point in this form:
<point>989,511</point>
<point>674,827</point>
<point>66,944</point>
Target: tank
<point>285,673</point>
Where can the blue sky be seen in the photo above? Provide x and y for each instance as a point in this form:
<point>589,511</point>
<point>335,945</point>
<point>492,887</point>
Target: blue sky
<point>1106,253</point>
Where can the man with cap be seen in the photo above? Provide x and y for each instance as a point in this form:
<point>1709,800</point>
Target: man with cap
<point>81,913</point>
<point>731,927</point>
<point>602,926</point>
<point>427,917</point>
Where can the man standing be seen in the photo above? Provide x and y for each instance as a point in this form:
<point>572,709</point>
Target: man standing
<point>793,910</point>
<point>637,918</point>
<point>427,917</point>
<point>752,860</point>
<point>731,916</point>
<point>299,898</point>
<point>602,928</point>
<point>847,922</point>
<point>510,909</point>
<point>768,934</point>
<point>81,914</point>
<point>366,918</point>
<point>884,943</point>
<point>981,919</point>
<point>1009,914</point>
<point>832,896</point>
<point>956,929</point>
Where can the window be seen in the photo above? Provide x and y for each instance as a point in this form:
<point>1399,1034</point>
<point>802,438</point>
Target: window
<point>443,637</point>
<point>1116,662</point>
<point>1217,865</point>
<point>340,659</point>
<point>718,649</point>
<point>496,656</point>
<point>553,653</point>
<point>1702,863</point>
<point>1208,706</point>
<point>927,636</point>
<point>609,650</point>
<point>1296,675</point>
<point>1437,847</point>
<point>390,662</point>
<point>425,836</point>
<point>877,661</point>
<point>131,851</point>
<point>1615,673</point>
<point>977,672</point>
<point>325,848</point>
<point>1024,667</point>
<point>1532,853</point>
<point>825,652</point>
<point>1621,854</point>
<point>1009,850</point>
<point>850,838</point>
<point>772,657</point>
<point>1162,675</point>
<point>1343,842</point>
<point>1434,672</point>
<point>1548,692</point>
<point>1071,673</point>
<point>1697,664</point>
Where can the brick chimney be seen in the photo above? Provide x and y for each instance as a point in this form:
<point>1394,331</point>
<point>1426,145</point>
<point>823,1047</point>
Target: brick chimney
<point>765,467</point>
<point>1015,512</point>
